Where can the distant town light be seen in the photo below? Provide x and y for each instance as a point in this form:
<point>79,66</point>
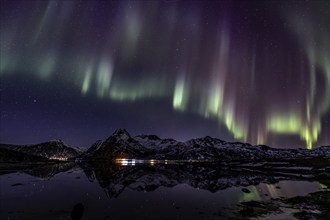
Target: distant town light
<point>58,158</point>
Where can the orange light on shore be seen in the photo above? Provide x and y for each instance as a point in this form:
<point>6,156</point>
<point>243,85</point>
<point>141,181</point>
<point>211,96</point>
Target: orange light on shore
<point>122,161</point>
<point>125,162</point>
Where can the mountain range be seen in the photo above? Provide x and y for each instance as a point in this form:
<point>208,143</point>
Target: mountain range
<point>122,145</point>
<point>56,150</point>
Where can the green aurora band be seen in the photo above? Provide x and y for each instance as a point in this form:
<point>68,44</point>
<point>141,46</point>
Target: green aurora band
<point>33,45</point>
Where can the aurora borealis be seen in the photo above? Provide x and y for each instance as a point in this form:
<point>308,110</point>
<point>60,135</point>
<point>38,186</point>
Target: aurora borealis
<point>252,71</point>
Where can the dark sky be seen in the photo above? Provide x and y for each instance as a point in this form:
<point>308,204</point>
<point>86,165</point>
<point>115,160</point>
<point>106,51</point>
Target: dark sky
<point>251,71</point>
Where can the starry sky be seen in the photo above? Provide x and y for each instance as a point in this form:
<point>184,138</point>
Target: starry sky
<point>249,71</point>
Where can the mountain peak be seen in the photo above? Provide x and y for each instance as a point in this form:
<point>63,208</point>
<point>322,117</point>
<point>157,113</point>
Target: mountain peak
<point>57,141</point>
<point>122,133</point>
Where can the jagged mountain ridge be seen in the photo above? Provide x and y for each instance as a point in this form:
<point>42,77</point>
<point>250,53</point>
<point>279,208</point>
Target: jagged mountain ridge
<point>122,145</point>
<point>51,149</point>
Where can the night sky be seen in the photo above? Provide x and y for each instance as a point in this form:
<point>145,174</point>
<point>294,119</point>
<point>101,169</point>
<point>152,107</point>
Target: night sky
<point>249,71</point>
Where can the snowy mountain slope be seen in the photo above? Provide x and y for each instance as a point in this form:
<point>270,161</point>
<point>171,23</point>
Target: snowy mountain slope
<point>51,149</point>
<point>122,145</point>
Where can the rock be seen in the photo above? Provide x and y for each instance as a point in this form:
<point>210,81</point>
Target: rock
<point>245,190</point>
<point>247,211</point>
<point>77,211</point>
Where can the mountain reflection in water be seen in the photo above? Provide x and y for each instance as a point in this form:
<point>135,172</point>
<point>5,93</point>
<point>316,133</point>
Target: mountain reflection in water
<point>149,191</point>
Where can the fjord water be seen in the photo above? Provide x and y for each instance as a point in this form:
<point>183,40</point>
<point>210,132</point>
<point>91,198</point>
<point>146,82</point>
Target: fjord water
<point>136,192</point>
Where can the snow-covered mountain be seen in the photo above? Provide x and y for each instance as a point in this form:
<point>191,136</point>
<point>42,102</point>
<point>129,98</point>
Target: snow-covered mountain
<point>55,149</point>
<point>13,156</point>
<point>122,145</point>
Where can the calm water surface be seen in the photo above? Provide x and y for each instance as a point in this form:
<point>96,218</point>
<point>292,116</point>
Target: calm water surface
<point>126,193</point>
